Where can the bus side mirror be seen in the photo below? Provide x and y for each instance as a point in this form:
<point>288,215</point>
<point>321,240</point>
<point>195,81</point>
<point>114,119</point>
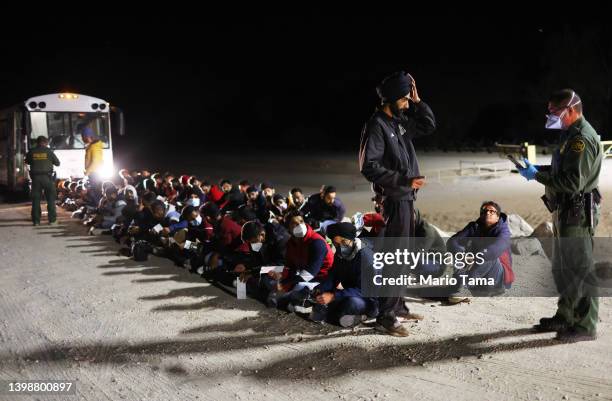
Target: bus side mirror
<point>117,121</point>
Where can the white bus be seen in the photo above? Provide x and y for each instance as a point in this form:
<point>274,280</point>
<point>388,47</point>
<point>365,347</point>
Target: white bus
<point>60,117</point>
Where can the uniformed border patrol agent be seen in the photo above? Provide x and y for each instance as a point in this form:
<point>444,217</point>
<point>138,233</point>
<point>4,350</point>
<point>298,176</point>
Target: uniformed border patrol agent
<point>574,200</point>
<point>41,160</point>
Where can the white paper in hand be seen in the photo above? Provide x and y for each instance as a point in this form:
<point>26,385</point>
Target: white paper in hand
<point>157,228</point>
<point>266,269</point>
<point>240,290</point>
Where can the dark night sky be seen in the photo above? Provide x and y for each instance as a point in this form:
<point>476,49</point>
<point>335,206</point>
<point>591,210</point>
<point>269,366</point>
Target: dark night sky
<point>309,82</point>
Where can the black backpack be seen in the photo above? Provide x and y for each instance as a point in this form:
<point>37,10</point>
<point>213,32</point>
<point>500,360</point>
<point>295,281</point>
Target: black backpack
<point>141,250</point>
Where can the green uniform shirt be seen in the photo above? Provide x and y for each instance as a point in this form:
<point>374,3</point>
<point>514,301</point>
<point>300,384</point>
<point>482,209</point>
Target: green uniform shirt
<point>576,163</point>
<point>41,160</point>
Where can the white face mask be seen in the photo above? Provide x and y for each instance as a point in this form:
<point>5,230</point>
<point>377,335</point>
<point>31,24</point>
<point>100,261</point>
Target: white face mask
<point>256,246</point>
<point>554,121</point>
<point>197,221</point>
<point>195,202</point>
<point>299,231</point>
<point>282,206</point>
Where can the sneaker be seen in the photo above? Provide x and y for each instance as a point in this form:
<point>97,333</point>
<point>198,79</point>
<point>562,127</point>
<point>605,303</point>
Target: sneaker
<point>395,330</point>
<point>35,224</point>
<point>572,335</point>
<point>551,324</point>
<point>271,299</point>
<point>302,309</point>
<point>159,251</point>
<point>351,320</point>
<point>455,300</point>
<point>53,223</point>
<point>319,313</point>
<point>410,316</point>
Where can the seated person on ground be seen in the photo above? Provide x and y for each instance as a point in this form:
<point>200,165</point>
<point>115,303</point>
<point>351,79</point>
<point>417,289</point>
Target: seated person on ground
<point>488,234</point>
<point>324,208</point>
<point>338,298</point>
<point>307,261</point>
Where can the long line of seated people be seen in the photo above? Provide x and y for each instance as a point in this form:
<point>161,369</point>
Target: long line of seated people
<point>297,253</point>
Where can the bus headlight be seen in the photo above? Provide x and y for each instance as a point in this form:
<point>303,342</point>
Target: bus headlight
<point>107,171</point>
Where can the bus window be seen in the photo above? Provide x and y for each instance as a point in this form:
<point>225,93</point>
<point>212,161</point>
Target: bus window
<point>64,129</point>
<point>39,124</point>
<point>97,122</point>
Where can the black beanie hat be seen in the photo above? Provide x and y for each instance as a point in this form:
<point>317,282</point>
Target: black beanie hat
<point>344,230</point>
<point>395,86</point>
<point>251,229</point>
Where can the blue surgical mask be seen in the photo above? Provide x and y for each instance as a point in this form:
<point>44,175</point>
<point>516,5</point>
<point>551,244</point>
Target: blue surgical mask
<point>197,221</point>
<point>345,251</point>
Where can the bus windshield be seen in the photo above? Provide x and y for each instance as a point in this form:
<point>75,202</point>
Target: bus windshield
<point>64,128</point>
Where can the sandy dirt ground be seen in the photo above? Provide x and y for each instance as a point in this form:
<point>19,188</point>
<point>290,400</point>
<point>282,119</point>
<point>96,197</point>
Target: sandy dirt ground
<point>71,309</point>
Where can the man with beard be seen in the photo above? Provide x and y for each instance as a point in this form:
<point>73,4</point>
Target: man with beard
<point>388,160</point>
<point>386,154</point>
<point>232,197</point>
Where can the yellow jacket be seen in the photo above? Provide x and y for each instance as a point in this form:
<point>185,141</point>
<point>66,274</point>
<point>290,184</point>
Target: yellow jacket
<point>93,157</point>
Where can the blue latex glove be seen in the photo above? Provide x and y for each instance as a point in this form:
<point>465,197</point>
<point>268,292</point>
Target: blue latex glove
<point>528,172</point>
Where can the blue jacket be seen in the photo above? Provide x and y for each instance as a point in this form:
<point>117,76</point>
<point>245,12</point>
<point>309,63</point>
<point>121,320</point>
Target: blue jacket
<point>475,237</point>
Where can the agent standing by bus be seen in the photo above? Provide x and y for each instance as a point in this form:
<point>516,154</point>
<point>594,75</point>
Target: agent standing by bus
<point>41,160</point>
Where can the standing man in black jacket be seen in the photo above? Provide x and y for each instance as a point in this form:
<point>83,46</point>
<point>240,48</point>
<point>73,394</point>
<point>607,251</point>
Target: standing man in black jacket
<point>388,160</point>
<point>386,155</point>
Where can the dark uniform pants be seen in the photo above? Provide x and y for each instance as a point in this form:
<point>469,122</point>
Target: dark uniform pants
<point>573,270</point>
<point>399,223</point>
<point>43,183</point>
<point>399,217</point>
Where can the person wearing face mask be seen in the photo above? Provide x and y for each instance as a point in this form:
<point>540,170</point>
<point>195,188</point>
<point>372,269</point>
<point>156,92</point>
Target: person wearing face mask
<point>179,231</point>
<point>193,197</point>
<point>572,196</point>
<point>255,251</point>
<point>346,307</point>
<point>308,259</point>
<point>386,154</point>
<point>109,210</point>
<point>279,206</point>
